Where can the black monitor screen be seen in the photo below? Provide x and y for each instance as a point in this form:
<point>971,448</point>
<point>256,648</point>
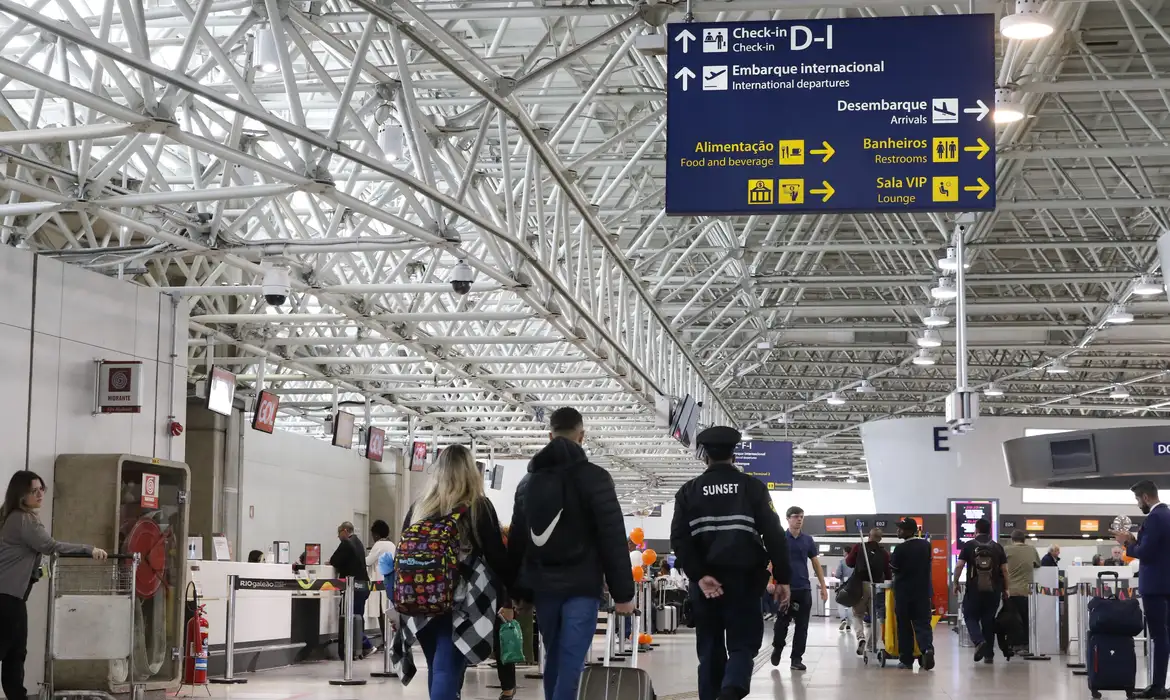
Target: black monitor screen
<point>1075,455</point>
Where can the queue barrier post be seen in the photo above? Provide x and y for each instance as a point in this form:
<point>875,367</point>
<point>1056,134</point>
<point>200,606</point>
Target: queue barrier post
<point>229,677</point>
<point>387,638</point>
<point>1034,626</point>
<point>347,632</point>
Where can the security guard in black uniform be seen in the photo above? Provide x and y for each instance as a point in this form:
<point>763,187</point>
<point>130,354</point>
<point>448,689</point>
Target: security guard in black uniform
<point>725,531</point>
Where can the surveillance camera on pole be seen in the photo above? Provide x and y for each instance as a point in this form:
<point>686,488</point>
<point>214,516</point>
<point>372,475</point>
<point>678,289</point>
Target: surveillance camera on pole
<point>276,286</point>
<point>461,278</point>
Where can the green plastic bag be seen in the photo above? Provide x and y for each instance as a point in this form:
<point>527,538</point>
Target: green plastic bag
<point>511,643</point>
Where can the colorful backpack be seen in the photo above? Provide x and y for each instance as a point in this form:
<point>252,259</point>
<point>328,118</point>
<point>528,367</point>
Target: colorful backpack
<point>426,566</point>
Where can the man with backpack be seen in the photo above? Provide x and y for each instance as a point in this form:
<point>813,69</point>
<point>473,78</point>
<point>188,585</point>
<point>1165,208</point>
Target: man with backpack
<point>987,583</point>
<point>872,556</point>
<point>568,542</point>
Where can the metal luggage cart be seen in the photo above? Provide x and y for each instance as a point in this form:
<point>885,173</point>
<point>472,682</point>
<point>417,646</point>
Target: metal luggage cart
<point>876,642</point>
<point>91,618</point>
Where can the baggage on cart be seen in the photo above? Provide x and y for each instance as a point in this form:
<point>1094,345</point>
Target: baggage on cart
<point>607,682</point>
<point>91,618</point>
<point>1112,663</point>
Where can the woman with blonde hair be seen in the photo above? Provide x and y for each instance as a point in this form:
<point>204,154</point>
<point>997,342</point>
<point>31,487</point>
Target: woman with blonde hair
<point>453,515</point>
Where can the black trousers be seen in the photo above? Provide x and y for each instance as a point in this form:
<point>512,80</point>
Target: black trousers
<point>728,633</point>
<point>979,609</point>
<point>13,646</point>
<point>1021,604</point>
<point>505,672</point>
<point>799,611</point>
<point>913,613</point>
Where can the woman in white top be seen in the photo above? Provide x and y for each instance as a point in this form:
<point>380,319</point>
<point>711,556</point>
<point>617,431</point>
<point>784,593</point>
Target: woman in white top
<point>381,545</point>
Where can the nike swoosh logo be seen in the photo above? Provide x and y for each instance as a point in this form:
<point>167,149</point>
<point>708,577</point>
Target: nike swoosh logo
<point>542,539</point>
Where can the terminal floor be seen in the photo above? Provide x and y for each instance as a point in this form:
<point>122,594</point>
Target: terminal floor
<point>834,673</point>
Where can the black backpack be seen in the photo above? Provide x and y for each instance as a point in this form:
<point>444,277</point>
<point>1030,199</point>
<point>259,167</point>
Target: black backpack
<point>983,564</point>
<point>555,516</point>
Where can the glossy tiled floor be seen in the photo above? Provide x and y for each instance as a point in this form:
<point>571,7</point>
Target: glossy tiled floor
<point>834,673</point>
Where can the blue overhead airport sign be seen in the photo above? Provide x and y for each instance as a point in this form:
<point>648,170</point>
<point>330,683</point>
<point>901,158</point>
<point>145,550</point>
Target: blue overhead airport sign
<point>767,460</point>
<point>863,115</point>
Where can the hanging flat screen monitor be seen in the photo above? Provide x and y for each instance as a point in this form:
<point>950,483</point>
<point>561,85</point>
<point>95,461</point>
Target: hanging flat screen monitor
<point>1073,456</point>
<point>221,391</point>
<point>375,443</point>
<point>343,424</point>
<point>264,414</point>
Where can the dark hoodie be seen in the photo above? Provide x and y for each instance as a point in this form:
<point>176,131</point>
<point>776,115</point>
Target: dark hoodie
<point>568,534</point>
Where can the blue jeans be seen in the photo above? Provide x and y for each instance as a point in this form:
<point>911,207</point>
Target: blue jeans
<point>445,664</point>
<point>567,626</point>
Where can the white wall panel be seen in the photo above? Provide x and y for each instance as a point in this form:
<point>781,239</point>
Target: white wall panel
<point>80,316</point>
<point>50,296</point>
<point>16,277</point>
<point>100,311</point>
<point>14,359</point>
<point>908,475</point>
<point>301,489</point>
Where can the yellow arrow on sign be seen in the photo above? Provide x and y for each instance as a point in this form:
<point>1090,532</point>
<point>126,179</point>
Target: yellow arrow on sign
<point>982,188</point>
<point>827,190</point>
<point>827,151</point>
<point>981,149</point>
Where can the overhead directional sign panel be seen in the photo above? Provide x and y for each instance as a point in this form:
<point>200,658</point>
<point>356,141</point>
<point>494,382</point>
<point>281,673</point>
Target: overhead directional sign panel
<point>862,115</point>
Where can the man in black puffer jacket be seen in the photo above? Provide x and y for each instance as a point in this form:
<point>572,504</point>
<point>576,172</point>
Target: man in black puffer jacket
<point>568,542</point>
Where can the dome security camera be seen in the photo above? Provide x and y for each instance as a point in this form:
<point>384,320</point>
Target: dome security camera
<point>461,278</point>
<point>276,286</point>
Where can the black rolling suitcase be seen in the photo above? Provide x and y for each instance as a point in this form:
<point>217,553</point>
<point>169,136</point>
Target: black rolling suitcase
<point>1112,663</point>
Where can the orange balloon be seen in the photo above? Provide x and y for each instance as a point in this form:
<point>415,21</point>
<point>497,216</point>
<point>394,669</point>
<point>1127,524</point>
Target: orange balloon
<point>649,557</point>
<point>637,536</point>
<point>644,638</point>
<point>638,574</point>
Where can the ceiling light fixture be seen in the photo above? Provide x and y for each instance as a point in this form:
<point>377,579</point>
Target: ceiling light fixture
<point>392,139</point>
<point>950,263</point>
<point>819,465</point>
<point>936,319</point>
<point>1058,367</point>
<point>1118,315</point>
<point>821,475</point>
<point>267,53</point>
<point>924,357</point>
<point>799,451</point>
<point>1146,286</point>
<point>851,480</point>
<point>945,289</point>
<point>1007,108</point>
<point>1118,392</point>
<point>865,387</point>
<point>835,399</point>
<point>992,389</point>
<point>1027,23</point>
<point>929,339</point>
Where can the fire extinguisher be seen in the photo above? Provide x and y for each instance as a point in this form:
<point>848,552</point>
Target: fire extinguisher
<point>195,666</point>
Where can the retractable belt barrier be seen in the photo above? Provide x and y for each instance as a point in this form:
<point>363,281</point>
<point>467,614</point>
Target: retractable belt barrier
<point>345,586</point>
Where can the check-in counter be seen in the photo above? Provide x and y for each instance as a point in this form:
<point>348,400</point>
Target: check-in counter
<point>272,627</point>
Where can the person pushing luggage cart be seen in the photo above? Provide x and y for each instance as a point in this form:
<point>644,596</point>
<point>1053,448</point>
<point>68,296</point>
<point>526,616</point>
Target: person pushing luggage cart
<point>908,615</point>
<point>725,530</point>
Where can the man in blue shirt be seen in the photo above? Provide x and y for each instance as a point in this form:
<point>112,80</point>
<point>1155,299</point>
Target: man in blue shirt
<point>801,549</point>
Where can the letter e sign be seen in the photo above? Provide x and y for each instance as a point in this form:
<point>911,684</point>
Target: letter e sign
<point>940,440</point>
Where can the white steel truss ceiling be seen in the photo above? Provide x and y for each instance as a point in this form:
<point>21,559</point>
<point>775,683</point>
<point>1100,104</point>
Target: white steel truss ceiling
<point>172,143</point>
